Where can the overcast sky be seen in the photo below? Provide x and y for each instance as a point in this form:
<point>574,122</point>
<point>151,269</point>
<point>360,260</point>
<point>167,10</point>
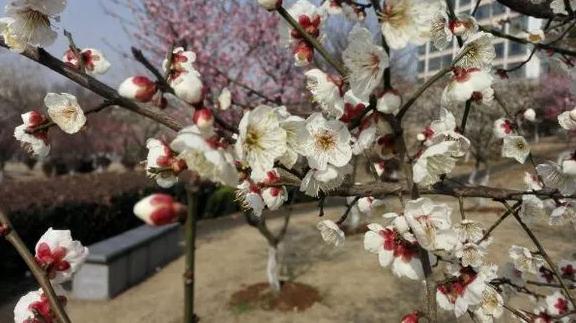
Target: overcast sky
<point>91,27</point>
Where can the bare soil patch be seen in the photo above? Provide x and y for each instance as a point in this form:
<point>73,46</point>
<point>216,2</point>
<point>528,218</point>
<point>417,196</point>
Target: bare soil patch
<point>293,296</point>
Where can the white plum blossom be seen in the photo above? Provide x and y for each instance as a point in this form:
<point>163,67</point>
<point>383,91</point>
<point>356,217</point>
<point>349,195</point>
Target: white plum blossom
<point>440,33</point>
<point>503,128</point>
<point>529,115</point>
<point>188,87</point>
<point>65,111</point>
<point>389,102</point>
<point>261,140</point>
<point>436,160</point>
<point>562,215</point>
<point>274,197</point>
<point>36,142</point>
<point>206,154</point>
<point>515,147</point>
<point>532,182</point>
<point>16,45</point>
<point>59,255</point>
<point>392,248</point>
<point>324,180</point>
<point>466,289</point>
<point>477,52</point>
<point>567,119</point>
<point>559,6</point>
<point>558,176</point>
<point>558,304</point>
<point>297,137</point>
<point>159,209</point>
<point>466,84</point>
<point>35,306</point>
<point>491,306</point>
<point>326,90</point>
<point>469,231</point>
<point>444,130</point>
<point>567,269</point>
<point>470,254</point>
<point>162,163</point>
<point>331,232</point>
<point>31,22</point>
<point>138,88</point>
<point>250,198</point>
<point>93,60</point>
<point>408,21</point>
<point>330,142</point>
<point>365,62</point>
<point>431,224</point>
<point>531,209</point>
<point>524,260</point>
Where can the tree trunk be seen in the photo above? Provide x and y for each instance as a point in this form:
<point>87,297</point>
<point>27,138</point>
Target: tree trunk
<point>273,268</point>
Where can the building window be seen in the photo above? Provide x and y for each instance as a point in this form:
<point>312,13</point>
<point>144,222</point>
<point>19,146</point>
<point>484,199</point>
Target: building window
<point>483,12</point>
<point>435,64</point>
<point>497,8</point>
<point>422,50</point>
<point>446,60</point>
<point>515,49</point>
<point>499,48</point>
<point>421,65</point>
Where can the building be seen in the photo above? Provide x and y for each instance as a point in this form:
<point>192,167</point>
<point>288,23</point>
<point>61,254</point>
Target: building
<point>508,53</point>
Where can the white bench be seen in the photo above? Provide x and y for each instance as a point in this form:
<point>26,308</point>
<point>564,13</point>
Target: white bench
<point>122,261</point>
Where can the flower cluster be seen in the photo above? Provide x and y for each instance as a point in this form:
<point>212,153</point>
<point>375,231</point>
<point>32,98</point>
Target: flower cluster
<point>59,256</point>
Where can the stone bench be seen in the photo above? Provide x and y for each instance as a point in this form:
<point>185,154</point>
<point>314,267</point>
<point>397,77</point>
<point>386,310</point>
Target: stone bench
<point>122,261</point>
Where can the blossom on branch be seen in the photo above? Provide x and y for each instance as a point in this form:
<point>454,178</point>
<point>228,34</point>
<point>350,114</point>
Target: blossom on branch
<point>325,180</point>
<point>327,91</point>
<point>408,21</point>
<point>468,84</point>
<point>365,62</point>
<point>93,60</point>
<point>331,232</point>
<point>58,255</point>
<point>311,18</point>
<point>515,147</point>
<point>31,21</point>
<point>65,111</point>
<point>35,307</point>
<point>139,88</point>
<point>330,142</point>
<point>261,140</point>
<point>162,164</point>
<point>37,141</point>
<point>159,209</point>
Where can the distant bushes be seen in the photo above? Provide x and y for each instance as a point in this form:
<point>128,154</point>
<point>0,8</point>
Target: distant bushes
<point>93,206</point>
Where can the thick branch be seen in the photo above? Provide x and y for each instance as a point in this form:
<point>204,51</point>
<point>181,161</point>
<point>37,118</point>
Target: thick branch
<point>529,8</point>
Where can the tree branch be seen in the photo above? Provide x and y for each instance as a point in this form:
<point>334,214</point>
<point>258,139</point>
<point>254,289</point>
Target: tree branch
<point>39,274</point>
<point>42,57</point>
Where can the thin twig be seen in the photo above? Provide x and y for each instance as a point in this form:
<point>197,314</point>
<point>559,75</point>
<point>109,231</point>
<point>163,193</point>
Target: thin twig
<point>544,254</point>
<point>555,49</point>
<point>348,209</point>
<point>40,275</point>
<point>499,221</point>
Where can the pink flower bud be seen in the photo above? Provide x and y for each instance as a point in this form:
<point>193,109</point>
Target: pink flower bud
<point>158,209</point>
<point>139,88</point>
<point>411,318</point>
<point>203,118</point>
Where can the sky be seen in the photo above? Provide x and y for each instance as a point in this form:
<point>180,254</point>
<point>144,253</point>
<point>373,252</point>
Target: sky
<point>92,27</point>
